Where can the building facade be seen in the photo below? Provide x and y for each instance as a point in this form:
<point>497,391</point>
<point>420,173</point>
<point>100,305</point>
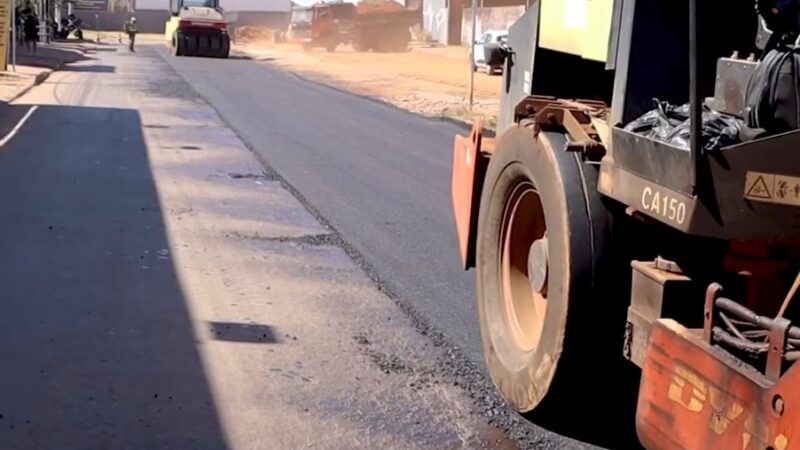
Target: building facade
<point>434,19</point>
<point>151,15</point>
<point>492,14</point>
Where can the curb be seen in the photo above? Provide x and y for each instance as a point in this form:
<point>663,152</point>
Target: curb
<point>465,125</point>
<point>37,80</point>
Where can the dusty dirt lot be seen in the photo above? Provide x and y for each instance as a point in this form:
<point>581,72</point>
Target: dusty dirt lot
<point>427,80</point>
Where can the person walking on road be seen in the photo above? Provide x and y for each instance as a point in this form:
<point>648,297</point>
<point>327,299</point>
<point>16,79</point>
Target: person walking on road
<point>31,30</point>
<point>130,30</point>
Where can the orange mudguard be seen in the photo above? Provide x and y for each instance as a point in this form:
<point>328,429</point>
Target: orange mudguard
<point>469,169</point>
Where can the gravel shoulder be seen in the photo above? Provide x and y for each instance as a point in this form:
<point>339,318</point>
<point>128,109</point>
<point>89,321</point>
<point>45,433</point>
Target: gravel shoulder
<point>432,81</point>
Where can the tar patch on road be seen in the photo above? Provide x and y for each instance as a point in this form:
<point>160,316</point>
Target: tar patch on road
<point>243,332</point>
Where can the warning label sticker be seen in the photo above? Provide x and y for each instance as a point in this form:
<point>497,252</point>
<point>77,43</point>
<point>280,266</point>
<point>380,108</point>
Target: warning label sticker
<point>772,188</point>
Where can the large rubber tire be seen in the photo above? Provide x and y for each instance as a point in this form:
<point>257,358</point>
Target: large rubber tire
<point>225,49</point>
<point>190,45</point>
<point>549,354</point>
<point>177,44</point>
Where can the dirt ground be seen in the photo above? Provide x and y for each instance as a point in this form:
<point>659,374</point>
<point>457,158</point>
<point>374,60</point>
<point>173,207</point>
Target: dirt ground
<point>432,81</point>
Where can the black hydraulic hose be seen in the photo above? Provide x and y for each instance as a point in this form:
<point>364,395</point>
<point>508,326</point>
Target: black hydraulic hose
<point>748,316</point>
<point>742,344</point>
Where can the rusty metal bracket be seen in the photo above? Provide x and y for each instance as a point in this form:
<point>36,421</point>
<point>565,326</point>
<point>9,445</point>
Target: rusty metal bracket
<point>532,105</point>
<point>577,124</point>
<point>710,311</point>
<point>627,343</point>
<point>777,348</point>
<point>576,118</point>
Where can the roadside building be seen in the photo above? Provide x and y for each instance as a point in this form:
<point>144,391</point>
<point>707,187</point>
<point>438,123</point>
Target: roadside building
<point>151,15</point>
<point>434,19</point>
<point>450,21</point>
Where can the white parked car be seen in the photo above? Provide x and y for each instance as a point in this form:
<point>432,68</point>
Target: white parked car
<point>490,38</point>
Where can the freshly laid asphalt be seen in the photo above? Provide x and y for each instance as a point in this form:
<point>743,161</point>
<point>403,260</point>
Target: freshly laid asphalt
<point>93,319</point>
<point>379,175</point>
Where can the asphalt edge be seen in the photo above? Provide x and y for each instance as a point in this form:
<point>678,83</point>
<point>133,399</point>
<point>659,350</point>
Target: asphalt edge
<point>463,124</point>
<point>454,363</point>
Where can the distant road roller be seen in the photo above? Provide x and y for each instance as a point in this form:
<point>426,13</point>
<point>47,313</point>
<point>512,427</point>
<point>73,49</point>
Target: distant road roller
<point>197,28</point>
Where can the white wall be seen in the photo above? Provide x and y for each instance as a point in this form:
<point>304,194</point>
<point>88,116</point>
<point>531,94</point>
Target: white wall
<point>256,5</point>
<point>152,4</point>
<point>227,5</point>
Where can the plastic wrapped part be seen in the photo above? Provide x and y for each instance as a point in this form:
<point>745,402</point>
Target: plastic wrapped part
<point>719,130</point>
<point>771,100</point>
<point>670,124</point>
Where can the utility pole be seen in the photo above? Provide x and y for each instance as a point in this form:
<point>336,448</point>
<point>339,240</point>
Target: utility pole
<point>42,21</point>
<point>472,53</point>
<point>15,39</point>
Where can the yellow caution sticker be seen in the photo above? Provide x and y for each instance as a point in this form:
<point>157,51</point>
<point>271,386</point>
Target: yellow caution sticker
<point>772,188</point>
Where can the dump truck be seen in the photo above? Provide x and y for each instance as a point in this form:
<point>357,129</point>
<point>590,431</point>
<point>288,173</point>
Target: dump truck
<point>383,26</point>
<point>634,235</point>
<point>197,28</point>
<point>299,29</point>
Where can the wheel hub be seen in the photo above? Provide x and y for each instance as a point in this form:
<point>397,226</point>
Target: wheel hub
<point>538,266</point>
<point>523,267</point>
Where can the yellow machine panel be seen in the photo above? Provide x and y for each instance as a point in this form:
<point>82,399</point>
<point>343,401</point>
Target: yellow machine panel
<point>578,27</point>
<point>170,27</point>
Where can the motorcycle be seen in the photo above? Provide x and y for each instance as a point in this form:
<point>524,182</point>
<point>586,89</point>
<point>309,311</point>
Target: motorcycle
<point>71,25</point>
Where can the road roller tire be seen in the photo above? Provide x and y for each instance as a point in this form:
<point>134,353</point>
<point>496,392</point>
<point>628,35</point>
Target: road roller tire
<point>177,44</point>
<point>190,45</point>
<point>542,233</point>
<point>225,47</point>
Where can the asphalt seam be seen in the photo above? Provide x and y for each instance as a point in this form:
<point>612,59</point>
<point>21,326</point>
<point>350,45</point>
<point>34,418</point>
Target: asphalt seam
<point>455,365</point>
<point>465,125</point>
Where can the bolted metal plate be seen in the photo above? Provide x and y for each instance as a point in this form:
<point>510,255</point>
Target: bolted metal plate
<point>733,74</point>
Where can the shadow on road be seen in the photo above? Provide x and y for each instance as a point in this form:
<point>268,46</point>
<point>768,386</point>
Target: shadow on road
<point>98,349</point>
<point>50,57</point>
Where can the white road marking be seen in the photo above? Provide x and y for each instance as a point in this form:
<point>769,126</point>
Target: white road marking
<point>19,125</point>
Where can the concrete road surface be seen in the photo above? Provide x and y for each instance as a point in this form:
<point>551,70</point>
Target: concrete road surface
<point>161,290</point>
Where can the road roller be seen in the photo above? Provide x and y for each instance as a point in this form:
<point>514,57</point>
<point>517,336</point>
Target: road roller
<point>197,28</point>
<point>633,222</point>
